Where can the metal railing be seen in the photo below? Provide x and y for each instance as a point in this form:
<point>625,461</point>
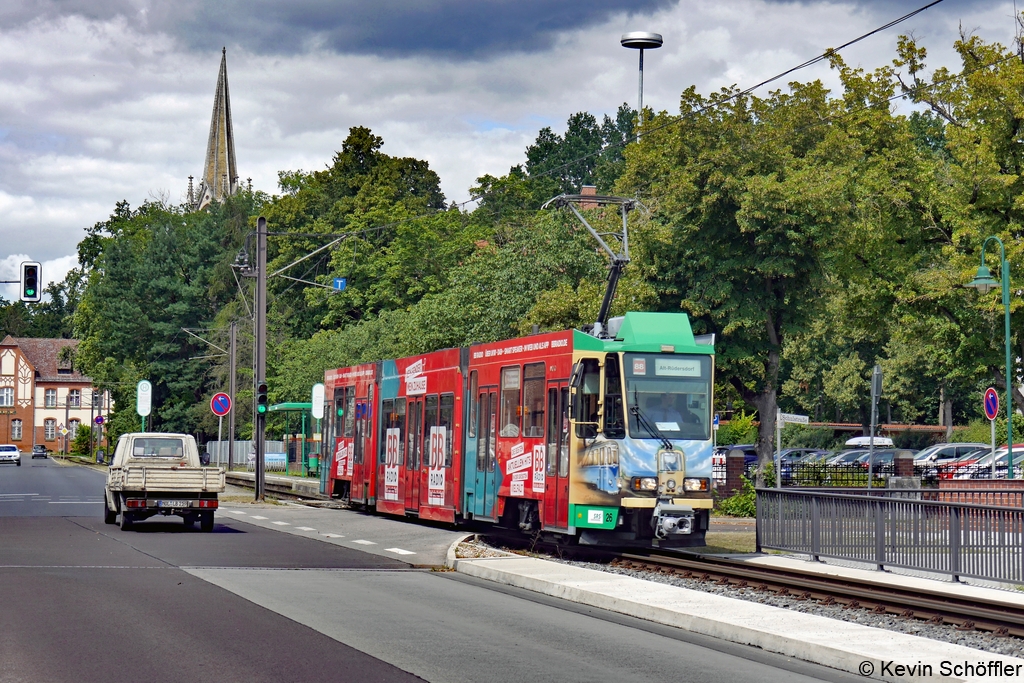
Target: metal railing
<point>218,451</point>
<point>897,529</point>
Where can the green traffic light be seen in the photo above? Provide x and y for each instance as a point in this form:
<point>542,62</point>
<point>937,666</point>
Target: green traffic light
<point>30,292</point>
<point>341,411</point>
<point>261,409</point>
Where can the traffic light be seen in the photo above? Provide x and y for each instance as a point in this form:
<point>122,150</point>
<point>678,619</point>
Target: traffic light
<point>261,398</point>
<point>31,274</point>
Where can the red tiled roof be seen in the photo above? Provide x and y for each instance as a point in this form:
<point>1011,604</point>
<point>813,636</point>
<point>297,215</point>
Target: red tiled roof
<point>44,355</point>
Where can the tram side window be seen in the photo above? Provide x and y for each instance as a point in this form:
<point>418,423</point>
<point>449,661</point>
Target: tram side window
<point>387,414</point>
<point>339,406</point>
<point>481,447</point>
<point>414,443</point>
<point>533,400</point>
<point>350,411</point>
<point>429,422</point>
<point>553,432</point>
<point>447,422</point>
<point>357,443</point>
<point>510,408</point>
<point>492,420</point>
<point>588,393</point>
<point>614,425</point>
<point>474,405</point>
<point>563,449</point>
<point>399,422</point>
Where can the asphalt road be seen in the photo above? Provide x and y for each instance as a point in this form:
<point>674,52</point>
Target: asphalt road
<point>85,601</point>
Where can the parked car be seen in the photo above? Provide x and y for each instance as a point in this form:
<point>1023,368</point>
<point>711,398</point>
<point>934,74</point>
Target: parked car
<point>949,469</point>
<point>847,457</point>
<point>981,468</point>
<point>941,453</point>
<point>749,453</point>
<point>882,458</point>
<point>10,453</point>
<point>865,442</point>
<point>39,451</point>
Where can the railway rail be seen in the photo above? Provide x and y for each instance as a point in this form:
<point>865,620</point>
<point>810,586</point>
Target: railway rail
<point>965,613</point>
<point>939,608</point>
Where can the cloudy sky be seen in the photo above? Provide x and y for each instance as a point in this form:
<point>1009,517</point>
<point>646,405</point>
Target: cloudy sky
<point>104,100</point>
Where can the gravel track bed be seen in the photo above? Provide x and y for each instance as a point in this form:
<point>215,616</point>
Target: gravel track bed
<point>979,640</point>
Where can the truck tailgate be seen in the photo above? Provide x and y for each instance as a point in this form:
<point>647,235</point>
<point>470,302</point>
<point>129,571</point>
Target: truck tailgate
<point>181,479</point>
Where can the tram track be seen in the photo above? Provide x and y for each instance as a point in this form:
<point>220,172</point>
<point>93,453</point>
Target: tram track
<point>939,608</point>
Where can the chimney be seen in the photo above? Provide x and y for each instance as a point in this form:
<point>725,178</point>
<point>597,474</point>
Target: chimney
<point>588,191</point>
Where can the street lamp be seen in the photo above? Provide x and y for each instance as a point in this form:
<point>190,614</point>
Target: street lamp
<point>641,40</point>
<point>984,283</point>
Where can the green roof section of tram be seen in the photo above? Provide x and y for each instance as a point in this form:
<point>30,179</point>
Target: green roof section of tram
<point>647,333</point>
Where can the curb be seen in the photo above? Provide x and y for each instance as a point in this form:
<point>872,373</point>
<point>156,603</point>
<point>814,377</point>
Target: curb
<point>449,556</point>
<point>854,648</point>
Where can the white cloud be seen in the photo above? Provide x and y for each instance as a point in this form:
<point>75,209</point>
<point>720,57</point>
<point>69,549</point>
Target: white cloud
<point>95,111</point>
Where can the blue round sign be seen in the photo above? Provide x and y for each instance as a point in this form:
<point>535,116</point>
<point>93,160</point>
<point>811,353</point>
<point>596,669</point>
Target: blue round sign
<point>220,404</point>
<point>98,419</point>
<point>991,403</point>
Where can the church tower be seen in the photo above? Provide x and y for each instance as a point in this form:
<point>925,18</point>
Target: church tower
<point>220,175</point>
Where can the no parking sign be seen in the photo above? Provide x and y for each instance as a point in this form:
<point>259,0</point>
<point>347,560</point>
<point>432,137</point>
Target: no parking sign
<point>991,403</point>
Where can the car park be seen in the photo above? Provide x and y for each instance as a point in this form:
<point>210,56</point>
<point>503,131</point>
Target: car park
<point>39,451</point>
<point>882,458</point>
<point>9,453</point>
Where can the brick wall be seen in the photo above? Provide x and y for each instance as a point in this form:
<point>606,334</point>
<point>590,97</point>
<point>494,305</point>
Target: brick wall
<point>1002,492</point>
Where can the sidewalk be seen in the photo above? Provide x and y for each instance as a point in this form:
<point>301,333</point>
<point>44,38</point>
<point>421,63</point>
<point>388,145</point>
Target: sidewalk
<point>863,650</point>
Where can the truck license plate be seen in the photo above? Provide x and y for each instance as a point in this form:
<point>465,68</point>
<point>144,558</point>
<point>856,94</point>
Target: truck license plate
<point>172,503</point>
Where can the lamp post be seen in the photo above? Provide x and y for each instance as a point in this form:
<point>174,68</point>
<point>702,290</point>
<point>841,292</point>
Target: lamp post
<point>641,40</point>
<point>983,282</point>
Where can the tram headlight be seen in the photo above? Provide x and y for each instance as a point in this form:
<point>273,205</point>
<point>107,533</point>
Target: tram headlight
<point>695,484</point>
<point>645,483</point>
<point>670,485</point>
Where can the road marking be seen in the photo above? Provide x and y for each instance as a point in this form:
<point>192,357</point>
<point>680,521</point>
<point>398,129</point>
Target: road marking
<point>258,517</point>
<point>399,551</point>
<point>305,528</point>
<point>333,536</point>
<point>234,512</point>
<point>362,542</point>
<point>4,495</point>
<point>282,523</point>
<point>74,502</point>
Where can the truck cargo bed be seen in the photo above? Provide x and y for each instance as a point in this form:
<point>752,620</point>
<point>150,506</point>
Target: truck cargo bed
<point>166,479</point>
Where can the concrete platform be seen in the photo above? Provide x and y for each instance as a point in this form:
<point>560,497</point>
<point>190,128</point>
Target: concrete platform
<point>296,486</point>
<point>870,652</point>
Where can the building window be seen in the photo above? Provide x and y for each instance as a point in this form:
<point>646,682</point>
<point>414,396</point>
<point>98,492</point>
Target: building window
<point>75,398</point>
<point>73,429</point>
<point>49,430</point>
<point>15,430</point>
<point>6,397</point>
<point>51,398</point>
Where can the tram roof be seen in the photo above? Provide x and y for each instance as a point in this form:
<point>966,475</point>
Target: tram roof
<point>648,333</point>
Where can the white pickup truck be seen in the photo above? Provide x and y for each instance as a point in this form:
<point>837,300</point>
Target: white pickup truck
<point>161,474</point>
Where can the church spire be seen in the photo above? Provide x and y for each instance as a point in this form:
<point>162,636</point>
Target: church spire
<point>220,176</point>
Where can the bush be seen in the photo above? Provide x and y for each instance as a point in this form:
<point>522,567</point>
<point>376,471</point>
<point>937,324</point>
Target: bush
<point>80,446</point>
<point>739,430</point>
<point>742,504</point>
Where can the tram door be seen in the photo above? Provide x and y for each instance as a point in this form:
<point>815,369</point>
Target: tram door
<point>556,451</point>
<point>413,452</point>
<point>485,478</point>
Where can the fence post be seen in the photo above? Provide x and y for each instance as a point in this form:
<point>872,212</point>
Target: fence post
<point>758,505</point>
<point>879,533</point>
<point>954,543</point>
<point>815,530</point>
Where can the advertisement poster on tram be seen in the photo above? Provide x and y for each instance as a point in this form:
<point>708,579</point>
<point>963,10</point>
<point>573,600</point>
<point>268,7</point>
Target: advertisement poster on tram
<point>393,438</point>
<point>435,466</point>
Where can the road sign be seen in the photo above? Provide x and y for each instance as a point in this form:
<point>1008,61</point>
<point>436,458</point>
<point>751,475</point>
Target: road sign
<point>795,419</point>
<point>340,283</point>
<point>318,401</point>
<point>63,431</point>
<point>144,398</point>
<point>220,404</point>
<point>99,419</point>
<point>715,422</point>
<point>991,403</point>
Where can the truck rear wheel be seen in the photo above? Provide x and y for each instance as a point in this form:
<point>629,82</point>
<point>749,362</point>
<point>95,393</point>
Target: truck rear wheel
<point>206,521</point>
<point>109,516</point>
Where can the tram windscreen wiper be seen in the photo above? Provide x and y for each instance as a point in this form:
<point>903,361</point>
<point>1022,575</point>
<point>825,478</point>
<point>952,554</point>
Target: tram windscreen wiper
<point>643,422</point>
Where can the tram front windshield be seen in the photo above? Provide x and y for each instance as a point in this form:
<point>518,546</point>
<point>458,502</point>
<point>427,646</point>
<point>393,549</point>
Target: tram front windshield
<point>672,394</point>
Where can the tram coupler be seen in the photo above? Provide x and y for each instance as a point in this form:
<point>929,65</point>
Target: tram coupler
<point>669,519</point>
